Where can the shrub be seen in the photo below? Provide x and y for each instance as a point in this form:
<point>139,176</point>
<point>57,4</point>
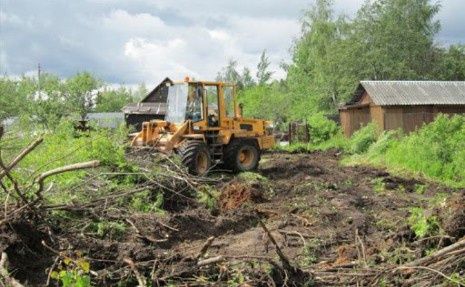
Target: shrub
<point>321,128</point>
<point>362,139</point>
<point>72,273</point>
<point>384,142</point>
<point>436,150</point>
<point>208,196</point>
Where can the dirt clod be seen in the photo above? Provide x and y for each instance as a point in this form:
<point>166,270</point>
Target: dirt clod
<point>454,216</point>
<point>236,193</point>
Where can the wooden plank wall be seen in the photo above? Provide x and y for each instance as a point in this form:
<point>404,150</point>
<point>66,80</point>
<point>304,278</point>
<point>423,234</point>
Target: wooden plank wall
<point>411,118</point>
<point>354,118</point>
<point>377,116</point>
<point>408,118</point>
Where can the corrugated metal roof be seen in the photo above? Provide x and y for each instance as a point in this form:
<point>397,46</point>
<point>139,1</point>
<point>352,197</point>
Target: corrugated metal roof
<point>389,93</point>
<point>145,108</point>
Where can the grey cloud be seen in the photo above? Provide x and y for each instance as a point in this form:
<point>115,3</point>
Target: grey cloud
<point>129,41</point>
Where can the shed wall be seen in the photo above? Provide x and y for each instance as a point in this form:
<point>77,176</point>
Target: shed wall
<point>411,118</point>
<point>377,116</point>
<point>354,118</point>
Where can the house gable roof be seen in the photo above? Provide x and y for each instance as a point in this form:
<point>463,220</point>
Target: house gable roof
<point>403,93</point>
<point>154,91</point>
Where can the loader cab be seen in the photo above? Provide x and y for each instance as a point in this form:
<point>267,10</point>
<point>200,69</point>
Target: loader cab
<point>201,103</point>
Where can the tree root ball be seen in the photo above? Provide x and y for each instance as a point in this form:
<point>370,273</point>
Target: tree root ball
<point>453,216</point>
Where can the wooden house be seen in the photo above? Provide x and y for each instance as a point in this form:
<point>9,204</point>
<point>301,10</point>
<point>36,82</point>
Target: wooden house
<point>401,104</point>
<point>151,107</point>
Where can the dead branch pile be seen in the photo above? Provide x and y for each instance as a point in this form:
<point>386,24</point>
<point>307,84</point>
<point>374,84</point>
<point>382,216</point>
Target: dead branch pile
<point>425,271</point>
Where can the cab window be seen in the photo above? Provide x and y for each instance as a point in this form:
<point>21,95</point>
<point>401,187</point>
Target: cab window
<point>212,101</point>
<point>229,101</point>
<point>194,104</point>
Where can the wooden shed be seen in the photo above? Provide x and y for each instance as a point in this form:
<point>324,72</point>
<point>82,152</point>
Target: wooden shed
<point>151,107</point>
<point>401,104</point>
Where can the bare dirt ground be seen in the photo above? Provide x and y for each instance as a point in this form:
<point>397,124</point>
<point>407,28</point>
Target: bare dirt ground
<point>335,225</point>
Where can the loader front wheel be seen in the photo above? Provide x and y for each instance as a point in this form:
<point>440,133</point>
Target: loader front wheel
<point>195,156</point>
<point>241,155</point>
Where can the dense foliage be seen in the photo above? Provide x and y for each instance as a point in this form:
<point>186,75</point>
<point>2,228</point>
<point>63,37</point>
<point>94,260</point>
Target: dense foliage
<point>437,150</point>
<point>52,99</point>
<point>386,40</point>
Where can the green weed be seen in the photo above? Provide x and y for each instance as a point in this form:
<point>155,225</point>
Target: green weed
<point>378,185</point>
<point>422,224</point>
<point>108,229</point>
<point>362,139</point>
<point>310,252</point>
<point>208,196</point>
<point>252,176</point>
<point>436,151</point>
<point>420,188</point>
<point>72,273</point>
<point>147,202</point>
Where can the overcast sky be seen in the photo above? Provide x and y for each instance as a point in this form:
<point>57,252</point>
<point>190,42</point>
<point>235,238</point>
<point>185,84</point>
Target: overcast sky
<point>134,41</point>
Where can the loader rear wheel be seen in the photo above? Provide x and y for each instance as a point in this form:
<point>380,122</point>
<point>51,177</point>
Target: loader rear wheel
<point>195,156</point>
<point>241,155</point>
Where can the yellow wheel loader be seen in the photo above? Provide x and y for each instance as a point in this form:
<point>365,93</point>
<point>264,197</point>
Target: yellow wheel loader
<point>204,125</point>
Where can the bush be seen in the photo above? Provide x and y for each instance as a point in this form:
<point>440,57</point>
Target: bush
<point>437,150</point>
<point>362,139</point>
<point>321,128</point>
<point>64,146</point>
<point>384,142</point>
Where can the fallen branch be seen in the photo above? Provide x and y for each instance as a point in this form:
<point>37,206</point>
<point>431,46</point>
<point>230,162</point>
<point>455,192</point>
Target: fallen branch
<point>20,156</point>
<point>431,270</point>
<point>140,279</point>
<point>282,257</point>
<point>211,260</point>
<point>445,251</point>
<point>72,167</point>
<point>205,247</point>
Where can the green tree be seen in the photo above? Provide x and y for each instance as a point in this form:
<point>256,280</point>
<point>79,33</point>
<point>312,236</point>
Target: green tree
<point>45,106</point>
<point>321,69</point>
<point>396,39</point>
<point>451,65</point>
<point>247,78</point>
<point>263,74</point>
<point>266,101</point>
<point>81,93</point>
<point>11,101</point>
<point>113,100</point>
<point>140,92</point>
<point>230,74</point>
<point>389,39</point>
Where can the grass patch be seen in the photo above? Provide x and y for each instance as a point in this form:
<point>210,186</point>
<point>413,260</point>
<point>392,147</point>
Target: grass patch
<point>436,151</point>
<point>378,185</point>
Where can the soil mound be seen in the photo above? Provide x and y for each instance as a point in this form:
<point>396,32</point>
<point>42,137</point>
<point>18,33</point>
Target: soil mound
<point>237,193</point>
<point>453,220</point>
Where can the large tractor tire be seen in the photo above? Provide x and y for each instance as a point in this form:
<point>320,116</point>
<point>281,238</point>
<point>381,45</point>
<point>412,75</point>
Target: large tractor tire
<point>195,156</point>
<point>241,155</point>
